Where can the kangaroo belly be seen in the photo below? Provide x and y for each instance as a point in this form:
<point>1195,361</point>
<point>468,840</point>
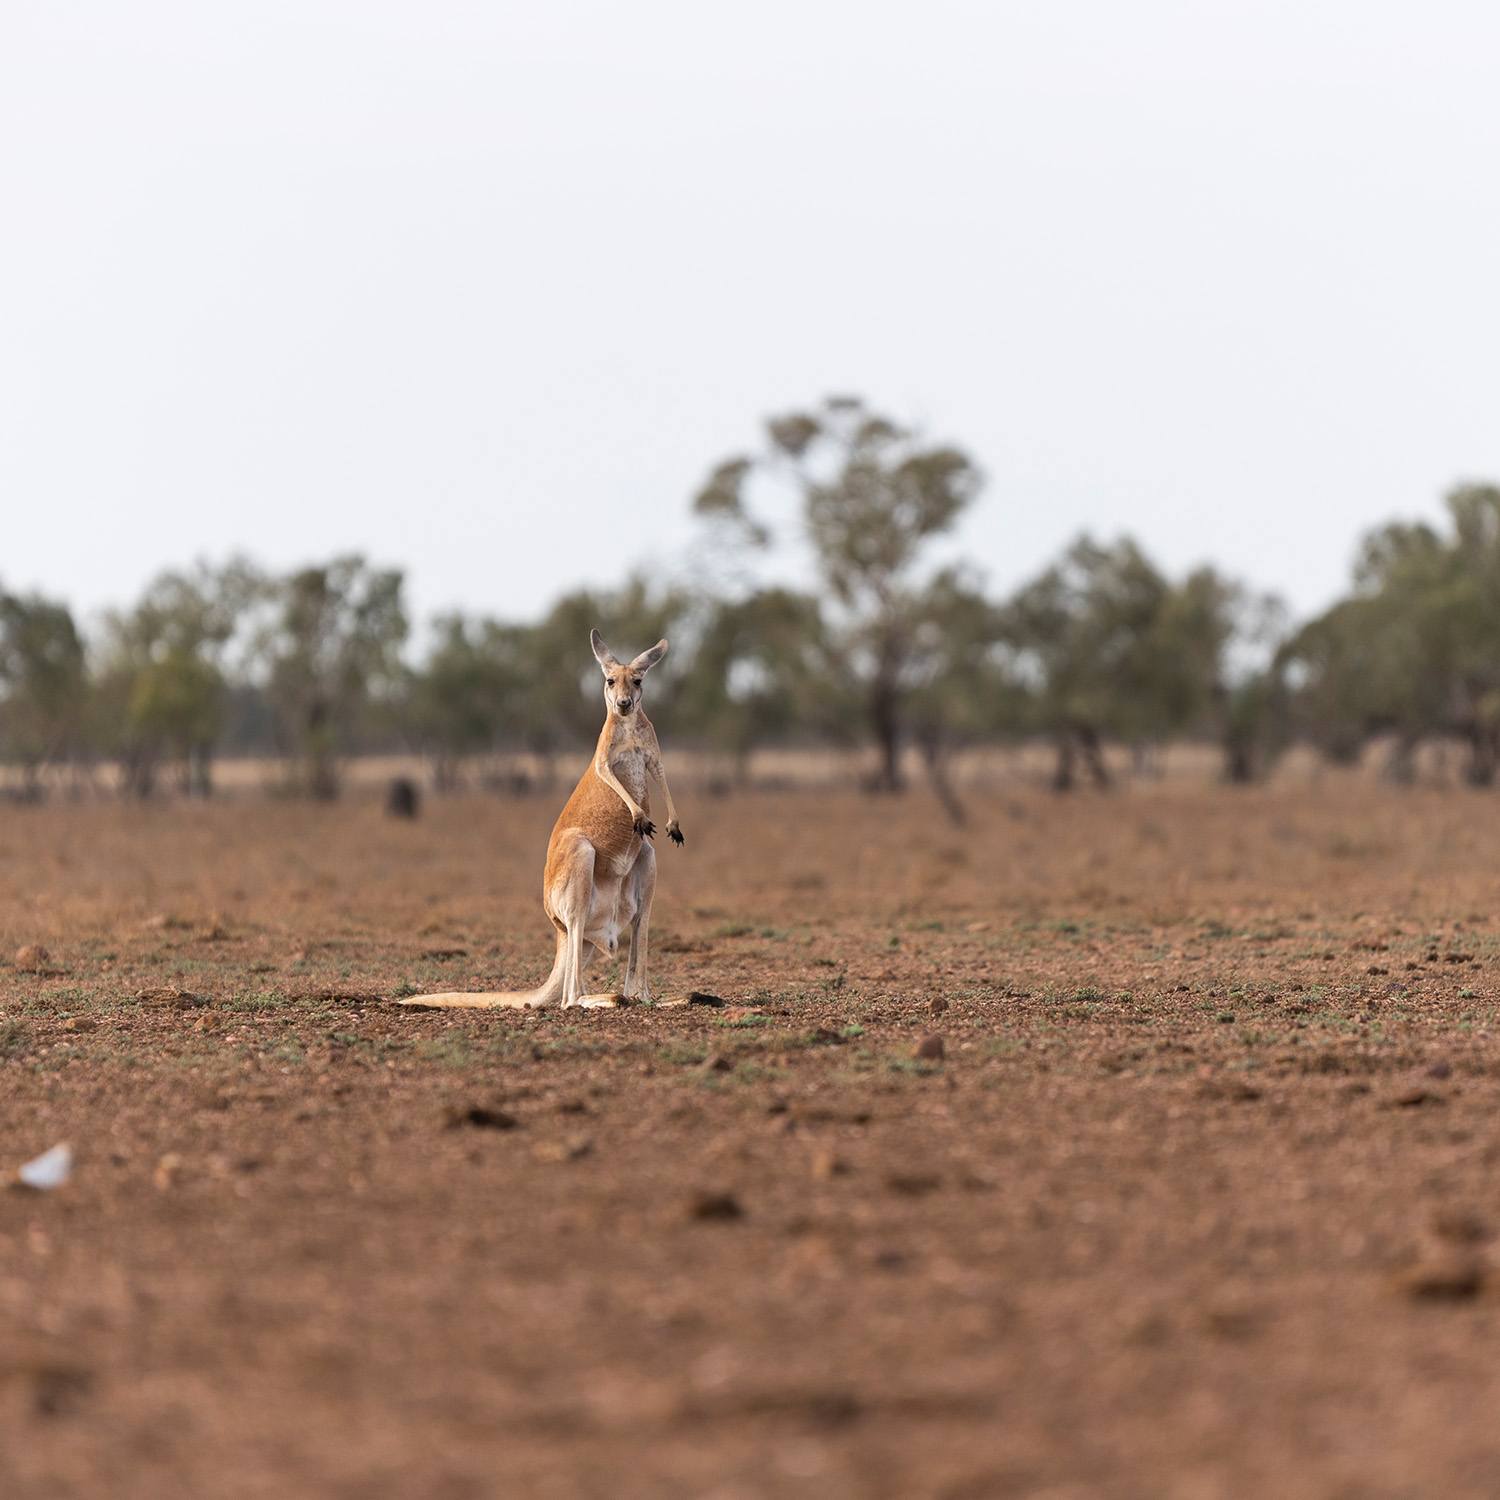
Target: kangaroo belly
<point>611,910</point>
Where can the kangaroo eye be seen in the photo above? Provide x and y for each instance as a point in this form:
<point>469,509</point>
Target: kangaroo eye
<point>637,681</point>
<point>609,682</point>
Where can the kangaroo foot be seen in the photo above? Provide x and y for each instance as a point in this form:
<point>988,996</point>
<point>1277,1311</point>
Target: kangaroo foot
<point>674,832</point>
<point>644,826</point>
<point>599,1002</point>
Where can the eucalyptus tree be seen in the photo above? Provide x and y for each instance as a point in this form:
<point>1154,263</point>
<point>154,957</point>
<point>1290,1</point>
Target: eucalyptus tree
<point>331,655</point>
<point>162,686</point>
<point>761,668</point>
<point>1414,650</point>
<point>873,494</point>
<point>43,684</point>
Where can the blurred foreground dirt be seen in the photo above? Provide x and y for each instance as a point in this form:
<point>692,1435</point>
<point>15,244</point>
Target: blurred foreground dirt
<point>1198,1199</point>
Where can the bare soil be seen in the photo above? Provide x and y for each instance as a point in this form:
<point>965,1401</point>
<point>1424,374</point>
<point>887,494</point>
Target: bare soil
<point>1130,1145</point>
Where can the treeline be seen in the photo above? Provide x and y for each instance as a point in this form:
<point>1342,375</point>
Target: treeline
<point>1102,647</point>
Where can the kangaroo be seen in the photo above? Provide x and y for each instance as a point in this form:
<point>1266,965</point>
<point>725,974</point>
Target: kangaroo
<point>600,876</point>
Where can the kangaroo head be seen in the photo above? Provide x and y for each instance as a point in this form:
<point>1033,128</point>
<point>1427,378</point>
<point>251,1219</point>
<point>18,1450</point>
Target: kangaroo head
<point>622,681</point>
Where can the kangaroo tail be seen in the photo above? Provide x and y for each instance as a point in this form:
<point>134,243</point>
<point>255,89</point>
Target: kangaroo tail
<point>475,1000</point>
<point>548,993</point>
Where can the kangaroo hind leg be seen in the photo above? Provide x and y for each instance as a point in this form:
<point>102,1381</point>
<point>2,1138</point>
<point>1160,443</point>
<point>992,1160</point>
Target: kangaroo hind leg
<point>643,887</point>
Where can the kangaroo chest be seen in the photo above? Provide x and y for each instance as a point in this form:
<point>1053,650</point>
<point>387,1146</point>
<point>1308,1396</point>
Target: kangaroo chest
<point>627,759</point>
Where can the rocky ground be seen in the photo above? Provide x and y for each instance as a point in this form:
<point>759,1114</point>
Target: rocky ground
<point>1130,1145</point>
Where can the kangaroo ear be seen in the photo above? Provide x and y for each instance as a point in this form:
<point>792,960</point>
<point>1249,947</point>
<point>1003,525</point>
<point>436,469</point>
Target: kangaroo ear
<point>602,654</point>
<point>648,659</point>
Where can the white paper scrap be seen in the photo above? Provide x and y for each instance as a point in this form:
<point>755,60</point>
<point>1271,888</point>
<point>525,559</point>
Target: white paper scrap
<point>49,1170</point>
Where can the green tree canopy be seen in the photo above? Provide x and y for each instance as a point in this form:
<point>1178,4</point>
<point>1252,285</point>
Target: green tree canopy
<point>873,494</point>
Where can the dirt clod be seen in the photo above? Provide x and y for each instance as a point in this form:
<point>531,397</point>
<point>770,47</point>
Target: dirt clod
<point>575,1148</point>
<point>169,997</point>
<point>913,1184</point>
<point>32,956</point>
<point>480,1116</point>
<point>930,1049</point>
<point>714,1207</point>
<point>1447,1278</point>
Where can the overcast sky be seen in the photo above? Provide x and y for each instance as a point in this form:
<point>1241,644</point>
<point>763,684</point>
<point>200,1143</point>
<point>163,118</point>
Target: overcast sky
<point>484,289</point>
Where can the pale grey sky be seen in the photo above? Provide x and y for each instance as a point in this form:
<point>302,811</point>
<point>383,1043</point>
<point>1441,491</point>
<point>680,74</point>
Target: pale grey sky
<point>484,289</point>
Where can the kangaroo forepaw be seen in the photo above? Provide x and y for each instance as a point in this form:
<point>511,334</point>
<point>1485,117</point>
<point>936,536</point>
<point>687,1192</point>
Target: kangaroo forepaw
<point>674,832</point>
<point>644,826</point>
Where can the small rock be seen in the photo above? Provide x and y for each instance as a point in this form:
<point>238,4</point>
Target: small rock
<point>165,1174</point>
<point>170,997</point>
<point>79,1023</point>
<point>930,1049</point>
<point>826,1166</point>
<point>32,956</point>
<point>1410,1098</point>
<point>716,1062</point>
<point>697,997</point>
<point>1461,1227</point>
<point>477,1115</point>
<point>575,1148</point>
<point>912,1184</point>
<point>402,799</point>
<point>714,1207</point>
<point>826,1036</point>
<point>1442,1068</point>
<point>937,1005</point>
<point>1447,1278</point>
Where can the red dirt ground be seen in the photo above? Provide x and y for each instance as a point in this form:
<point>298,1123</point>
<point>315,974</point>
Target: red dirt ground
<point>1197,1203</point>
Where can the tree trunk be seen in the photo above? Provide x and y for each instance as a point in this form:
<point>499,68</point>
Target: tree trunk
<point>935,756</point>
<point>1062,776</point>
<point>1093,754</point>
<point>1239,763</point>
<point>1401,765</point>
<point>1482,756</point>
<point>884,719</point>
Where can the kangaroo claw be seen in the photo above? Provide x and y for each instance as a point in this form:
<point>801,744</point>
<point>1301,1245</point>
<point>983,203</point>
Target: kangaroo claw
<point>644,826</point>
<point>675,834</point>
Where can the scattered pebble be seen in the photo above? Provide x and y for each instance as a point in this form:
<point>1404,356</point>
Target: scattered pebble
<point>930,1049</point>
<point>575,1148</point>
<point>49,1170</point>
<point>79,1024</point>
<point>937,1005</point>
<point>825,1166</point>
<point>32,956</point>
<point>169,997</point>
<point>1413,1095</point>
<point>1444,1278</point>
<point>1442,1068</point>
<point>485,1119</point>
<point>1460,1226</point>
<point>714,1207</point>
<point>716,1062</point>
<point>912,1184</point>
<point>165,1174</point>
